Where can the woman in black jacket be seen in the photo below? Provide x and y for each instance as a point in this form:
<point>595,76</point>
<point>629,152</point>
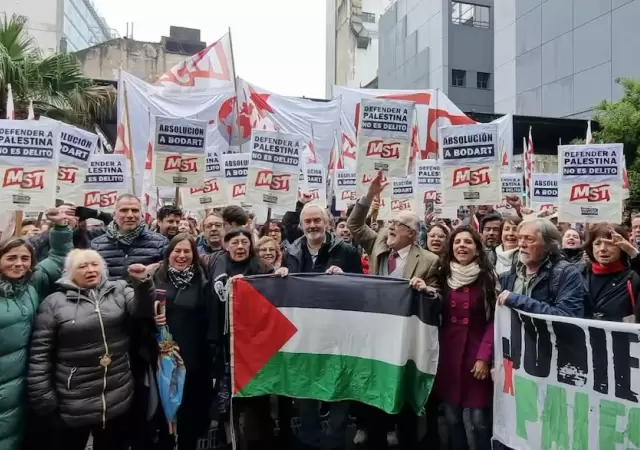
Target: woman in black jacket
<point>79,374</point>
<point>612,287</point>
<point>240,259</point>
<point>181,284</point>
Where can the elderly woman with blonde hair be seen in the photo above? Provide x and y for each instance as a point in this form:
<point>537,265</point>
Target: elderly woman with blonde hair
<point>79,375</point>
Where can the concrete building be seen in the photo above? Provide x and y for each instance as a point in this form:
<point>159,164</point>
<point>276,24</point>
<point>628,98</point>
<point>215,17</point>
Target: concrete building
<point>145,60</point>
<point>439,44</point>
<point>60,25</point>
<point>561,58</point>
<point>352,41</point>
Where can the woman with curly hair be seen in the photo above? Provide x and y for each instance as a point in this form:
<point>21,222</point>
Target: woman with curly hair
<point>466,338</point>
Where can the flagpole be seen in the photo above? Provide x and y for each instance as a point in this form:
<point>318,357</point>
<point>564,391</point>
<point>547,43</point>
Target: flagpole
<point>128,131</point>
<point>235,88</point>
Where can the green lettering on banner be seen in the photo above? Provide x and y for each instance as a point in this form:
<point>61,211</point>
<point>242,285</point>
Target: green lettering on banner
<point>581,422</point>
<point>555,423</point>
<point>610,437</point>
<point>633,426</point>
<point>526,392</point>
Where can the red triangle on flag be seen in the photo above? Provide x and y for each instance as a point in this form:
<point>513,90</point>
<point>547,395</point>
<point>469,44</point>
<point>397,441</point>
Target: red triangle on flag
<point>258,331</point>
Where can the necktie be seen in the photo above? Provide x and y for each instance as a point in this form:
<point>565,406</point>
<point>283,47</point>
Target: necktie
<point>393,256</point>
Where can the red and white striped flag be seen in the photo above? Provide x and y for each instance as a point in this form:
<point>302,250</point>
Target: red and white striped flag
<point>11,113</point>
<point>529,164</point>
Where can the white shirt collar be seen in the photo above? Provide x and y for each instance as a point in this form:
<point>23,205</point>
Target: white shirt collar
<point>404,252</point>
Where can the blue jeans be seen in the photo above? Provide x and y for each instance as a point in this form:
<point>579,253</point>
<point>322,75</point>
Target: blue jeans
<point>482,427</point>
<point>311,432</point>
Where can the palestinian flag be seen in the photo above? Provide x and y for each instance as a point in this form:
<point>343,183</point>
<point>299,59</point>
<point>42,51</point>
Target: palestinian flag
<point>334,337</point>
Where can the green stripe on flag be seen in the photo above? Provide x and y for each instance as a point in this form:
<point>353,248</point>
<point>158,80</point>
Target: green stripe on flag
<point>335,378</point>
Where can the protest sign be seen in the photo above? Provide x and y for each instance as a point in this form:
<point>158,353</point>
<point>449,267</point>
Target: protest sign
<point>179,151</point>
<point>384,139</point>
<point>428,186</point>
<point>28,164</point>
<point>590,183</point>
<point>236,169</point>
<point>345,188</point>
<point>565,383</point>
<point>470,164</point>
<point>76,148</point>
<point>105,180</point>
<point>316,184</point>
<point>212,193</point>
<point>274,169</point>
<point>512,184</point>
<point>402,196</point>
<point>545,191</point>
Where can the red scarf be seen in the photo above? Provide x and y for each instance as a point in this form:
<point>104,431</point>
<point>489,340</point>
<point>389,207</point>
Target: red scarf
<point>600,269</point>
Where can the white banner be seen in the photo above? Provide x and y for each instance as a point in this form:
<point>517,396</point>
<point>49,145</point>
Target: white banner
<point>345,188</point>
<point>590,183</point>
<point>274,169</point>
<point>28,164</point>
<point>384,139</point>
<point>545,191</point>
<point>76,148</point>
<point>179,151</point>
<point>565,383</point>
<point>470,164</point>
<point>236,169</point>
<point>317,184</point>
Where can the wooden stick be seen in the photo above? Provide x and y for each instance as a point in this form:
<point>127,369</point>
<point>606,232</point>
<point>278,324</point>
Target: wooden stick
<point>39,221</point>
<point>18,223</point>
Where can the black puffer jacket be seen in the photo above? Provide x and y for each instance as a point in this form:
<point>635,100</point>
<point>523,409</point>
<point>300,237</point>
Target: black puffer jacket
<point>74,330</point>
<point>334,252</point>
<point>149,248</point>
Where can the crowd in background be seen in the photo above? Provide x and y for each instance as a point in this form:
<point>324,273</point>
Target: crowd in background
<point>78,321</point>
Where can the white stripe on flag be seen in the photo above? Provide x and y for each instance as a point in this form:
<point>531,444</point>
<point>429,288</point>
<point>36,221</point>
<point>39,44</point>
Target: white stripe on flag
<point>382,337</point>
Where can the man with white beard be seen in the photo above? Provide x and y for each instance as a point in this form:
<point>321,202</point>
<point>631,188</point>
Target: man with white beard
<point>319,251</point>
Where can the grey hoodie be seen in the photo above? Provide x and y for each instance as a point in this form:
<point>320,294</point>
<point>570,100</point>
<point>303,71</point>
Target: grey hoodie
<point>79,363</point>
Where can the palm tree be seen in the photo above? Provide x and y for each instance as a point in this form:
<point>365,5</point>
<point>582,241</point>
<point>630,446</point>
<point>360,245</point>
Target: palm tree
<point>55,83</point>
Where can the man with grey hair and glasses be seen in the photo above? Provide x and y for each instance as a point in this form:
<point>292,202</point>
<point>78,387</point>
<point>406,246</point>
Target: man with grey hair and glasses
<point>542,281</point>
<point>392,253</point>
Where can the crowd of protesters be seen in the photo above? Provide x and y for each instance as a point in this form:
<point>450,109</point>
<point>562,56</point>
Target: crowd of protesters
<point>78,324</point>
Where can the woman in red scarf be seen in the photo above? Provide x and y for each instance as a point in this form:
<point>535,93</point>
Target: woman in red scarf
<point>613,287</point>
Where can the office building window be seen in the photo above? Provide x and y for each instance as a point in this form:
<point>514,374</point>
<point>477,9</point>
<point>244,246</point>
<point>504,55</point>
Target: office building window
<point>482,80</point>
<point>471,15</point>
<point>458,78</point>
<point>368,17</point>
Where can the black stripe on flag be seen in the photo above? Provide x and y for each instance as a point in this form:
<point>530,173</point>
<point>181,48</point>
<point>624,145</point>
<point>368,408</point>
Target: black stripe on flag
<point>349,292</point>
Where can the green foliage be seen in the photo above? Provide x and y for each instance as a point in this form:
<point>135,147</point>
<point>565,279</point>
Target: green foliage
<point>55,83</point>
<point>578,141</point>
<point>620,122</point>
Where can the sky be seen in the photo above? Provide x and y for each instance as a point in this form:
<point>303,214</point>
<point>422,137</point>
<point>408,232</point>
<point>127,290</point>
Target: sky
<point>278,45</point>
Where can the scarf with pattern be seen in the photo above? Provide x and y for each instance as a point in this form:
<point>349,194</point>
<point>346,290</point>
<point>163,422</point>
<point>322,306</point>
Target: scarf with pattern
<point>124,237</point>
<point>180,278</point>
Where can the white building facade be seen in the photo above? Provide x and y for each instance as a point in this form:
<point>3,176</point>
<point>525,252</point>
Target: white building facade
<point>352,41</point>
<point>60,25</point>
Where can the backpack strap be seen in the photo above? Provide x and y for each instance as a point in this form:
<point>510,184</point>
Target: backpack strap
<point>633,297</point>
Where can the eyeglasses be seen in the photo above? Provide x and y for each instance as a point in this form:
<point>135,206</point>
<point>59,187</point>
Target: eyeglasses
<point>396,223</point>
<point>236,244</point>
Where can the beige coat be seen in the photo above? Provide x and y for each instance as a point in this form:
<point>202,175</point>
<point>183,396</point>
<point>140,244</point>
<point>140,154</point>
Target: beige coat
<point>420,262</point>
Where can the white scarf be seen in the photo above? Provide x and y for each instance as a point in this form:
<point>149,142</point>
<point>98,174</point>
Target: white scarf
<point>462,275</point>
<point>504,259</point>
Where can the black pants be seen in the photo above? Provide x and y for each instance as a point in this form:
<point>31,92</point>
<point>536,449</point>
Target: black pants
<point>257,430</point>
<point>114,436</point>
<point>378,423</point>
